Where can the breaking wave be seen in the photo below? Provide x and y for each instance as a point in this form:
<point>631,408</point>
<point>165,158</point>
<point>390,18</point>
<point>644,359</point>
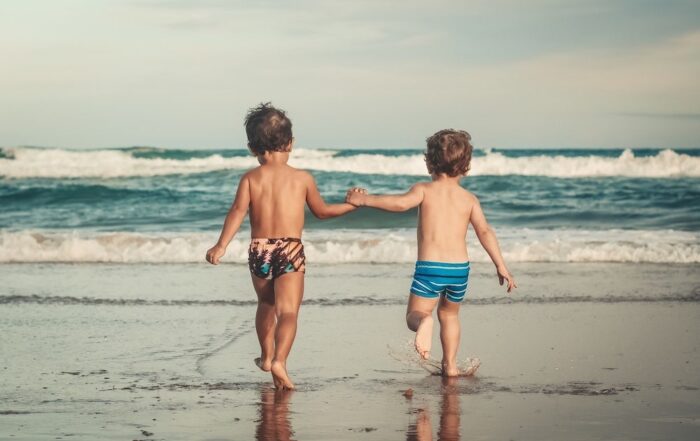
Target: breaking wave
<point>353,246</point>
<point>25,162</point>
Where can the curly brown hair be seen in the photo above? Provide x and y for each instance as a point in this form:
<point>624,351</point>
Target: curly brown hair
<point>449,152</point>
<point>268,129</point>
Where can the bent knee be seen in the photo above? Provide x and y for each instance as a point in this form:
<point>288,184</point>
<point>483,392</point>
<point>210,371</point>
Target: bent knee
<point>410,318</point>
<point>413,319</point>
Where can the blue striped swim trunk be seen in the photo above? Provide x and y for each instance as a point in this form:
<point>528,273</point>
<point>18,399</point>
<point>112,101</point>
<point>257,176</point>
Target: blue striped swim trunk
<point>433,279</point>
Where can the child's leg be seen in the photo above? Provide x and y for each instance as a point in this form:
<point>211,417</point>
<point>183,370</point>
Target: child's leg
<point>265,321</point>
<point>289,290</point>
<point>419,318</point>
<point>448,315</point>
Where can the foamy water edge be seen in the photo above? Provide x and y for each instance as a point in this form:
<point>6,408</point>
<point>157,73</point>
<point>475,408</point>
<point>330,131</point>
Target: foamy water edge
<point>352,246</point>
<point>23,162</point>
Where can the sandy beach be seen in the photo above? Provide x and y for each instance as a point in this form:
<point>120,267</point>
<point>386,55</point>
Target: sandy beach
<point>163,352</point>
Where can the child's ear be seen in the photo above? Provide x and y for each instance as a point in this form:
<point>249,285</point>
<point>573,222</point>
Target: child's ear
<point>290,146</point>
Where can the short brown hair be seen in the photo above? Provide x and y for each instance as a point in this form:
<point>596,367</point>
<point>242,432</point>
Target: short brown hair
<point>450,152</point>
<point>268,129</point>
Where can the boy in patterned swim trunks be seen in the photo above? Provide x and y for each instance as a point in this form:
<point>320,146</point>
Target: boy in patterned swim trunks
<point>275,194</point>
<point>442,270</point>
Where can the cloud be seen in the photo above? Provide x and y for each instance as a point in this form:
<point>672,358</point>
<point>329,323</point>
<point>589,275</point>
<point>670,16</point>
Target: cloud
<point>462,32</point>
<point>661,115</point>
<point>364,73</point>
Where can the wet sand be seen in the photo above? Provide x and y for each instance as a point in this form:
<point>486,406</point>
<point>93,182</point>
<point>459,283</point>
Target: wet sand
<point>166,352</point>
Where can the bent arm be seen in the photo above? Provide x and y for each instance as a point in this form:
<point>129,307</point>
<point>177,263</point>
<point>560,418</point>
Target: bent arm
<point>398,202</point>
<point>318,206</point>
<point>236,213</point>
<point>486,235</point>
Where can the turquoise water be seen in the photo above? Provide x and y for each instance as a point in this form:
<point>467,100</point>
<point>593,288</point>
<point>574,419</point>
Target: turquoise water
<point>529,193</point>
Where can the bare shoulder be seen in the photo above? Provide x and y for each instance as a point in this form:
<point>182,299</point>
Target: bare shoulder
<point>299,178</point>
<point>253,171</point>
<point>301,175</point>
<point>470,198</point>
<point>251,174</point>
<point>421,186</point>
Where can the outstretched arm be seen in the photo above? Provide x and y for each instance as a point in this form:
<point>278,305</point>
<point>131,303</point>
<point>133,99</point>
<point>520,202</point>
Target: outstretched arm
<point>318,206</point>
<point>233,221</point>
<point>488,240</point>
<point>395,202</point>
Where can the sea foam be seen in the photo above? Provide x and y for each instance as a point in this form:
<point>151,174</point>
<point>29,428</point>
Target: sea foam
<point>353,246</point>
<point>24,162</point>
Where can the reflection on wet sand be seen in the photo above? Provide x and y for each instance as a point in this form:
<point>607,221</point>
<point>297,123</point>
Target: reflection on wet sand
<point>422,429</point>
<point>274,424</point>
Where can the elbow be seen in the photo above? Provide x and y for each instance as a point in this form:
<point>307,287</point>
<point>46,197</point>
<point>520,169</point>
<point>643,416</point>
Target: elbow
<point>322,215</point>
<point>402,207</point>
<point>237,207</point>
<point>237,210</point>
<point>484,231</point>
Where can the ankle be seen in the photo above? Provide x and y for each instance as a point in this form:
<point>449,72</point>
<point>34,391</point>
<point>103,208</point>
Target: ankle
<point>449,363</point>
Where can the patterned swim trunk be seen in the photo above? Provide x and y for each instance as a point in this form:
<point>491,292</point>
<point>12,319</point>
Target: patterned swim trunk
<point>271,258</point>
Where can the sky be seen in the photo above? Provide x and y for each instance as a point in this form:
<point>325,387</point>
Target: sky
<point>350,74</point>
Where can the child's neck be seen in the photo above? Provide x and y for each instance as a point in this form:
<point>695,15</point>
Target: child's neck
<point>443,178</point>
<point>274,158</point>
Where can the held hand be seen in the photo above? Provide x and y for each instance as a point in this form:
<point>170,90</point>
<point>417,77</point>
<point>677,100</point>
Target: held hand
<point>505,275</point>
<point>215,253</point>
<point>356,196</point>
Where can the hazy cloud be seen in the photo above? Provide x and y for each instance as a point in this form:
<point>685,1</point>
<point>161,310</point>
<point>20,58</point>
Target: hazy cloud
<point>351,74</point>
<point>661,115</point>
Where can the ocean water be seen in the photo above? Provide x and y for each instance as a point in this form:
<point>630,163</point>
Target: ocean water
<point>132,205</point>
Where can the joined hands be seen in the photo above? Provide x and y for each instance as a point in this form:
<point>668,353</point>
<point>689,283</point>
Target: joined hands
<point>356,196</point>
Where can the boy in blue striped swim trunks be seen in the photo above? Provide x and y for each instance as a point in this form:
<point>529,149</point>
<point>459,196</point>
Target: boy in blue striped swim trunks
<point>445,210</point>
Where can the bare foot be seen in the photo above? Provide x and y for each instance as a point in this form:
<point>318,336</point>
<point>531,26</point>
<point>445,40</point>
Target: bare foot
<point>263,365</point>
<point>450,369</point>
<point>424,337</point>
<point>280,377</point>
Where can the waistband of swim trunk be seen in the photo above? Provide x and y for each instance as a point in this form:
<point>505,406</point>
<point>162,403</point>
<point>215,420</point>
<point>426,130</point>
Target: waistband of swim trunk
<point>450,265</point>
<point>273,240</point>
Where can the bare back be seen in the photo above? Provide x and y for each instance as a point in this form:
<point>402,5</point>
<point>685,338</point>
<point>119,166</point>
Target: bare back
<point>443,219</point>
<point>277,200</point>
